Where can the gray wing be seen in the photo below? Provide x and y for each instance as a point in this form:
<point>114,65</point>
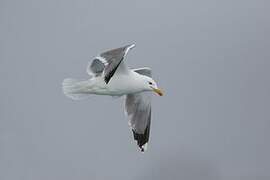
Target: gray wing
<point>144,71</point>
<point>108,62</point>
<point>96,67</point>
<point>138,109</point>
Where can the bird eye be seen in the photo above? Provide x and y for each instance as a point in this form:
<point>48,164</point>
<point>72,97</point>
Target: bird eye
<point>150,83</point>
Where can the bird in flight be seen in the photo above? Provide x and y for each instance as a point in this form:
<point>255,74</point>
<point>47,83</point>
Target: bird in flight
<point>110,76</point>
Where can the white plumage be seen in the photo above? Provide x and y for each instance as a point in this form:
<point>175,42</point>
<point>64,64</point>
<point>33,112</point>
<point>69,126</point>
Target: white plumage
<point>110,76</point>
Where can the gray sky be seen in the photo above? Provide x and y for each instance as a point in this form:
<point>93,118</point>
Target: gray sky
<point>210,57</point>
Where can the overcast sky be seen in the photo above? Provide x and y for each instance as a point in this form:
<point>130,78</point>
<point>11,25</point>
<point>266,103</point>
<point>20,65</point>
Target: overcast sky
<point>212,59</point>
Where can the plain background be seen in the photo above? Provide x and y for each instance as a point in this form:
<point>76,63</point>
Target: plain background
<point>210,57</point>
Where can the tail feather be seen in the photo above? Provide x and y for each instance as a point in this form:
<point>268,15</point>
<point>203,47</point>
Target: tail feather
<point>75,89</point>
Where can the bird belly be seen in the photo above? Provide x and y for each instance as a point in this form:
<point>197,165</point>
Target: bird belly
<point>122,84</point>
<point>118,85</point>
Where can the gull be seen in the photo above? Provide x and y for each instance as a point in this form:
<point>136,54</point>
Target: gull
<point>110,76</point>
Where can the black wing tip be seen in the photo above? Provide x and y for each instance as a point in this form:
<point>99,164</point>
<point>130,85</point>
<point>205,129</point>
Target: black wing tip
<point>142,149</point>
<point>142,139</point>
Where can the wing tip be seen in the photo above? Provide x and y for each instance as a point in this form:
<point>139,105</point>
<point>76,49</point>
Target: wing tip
<point>129,47</point>
<point>142,139</point>
<point>143,148</point>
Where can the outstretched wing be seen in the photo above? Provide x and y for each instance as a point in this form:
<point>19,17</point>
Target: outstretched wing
<point>108,62</point>
<point>138,109</point>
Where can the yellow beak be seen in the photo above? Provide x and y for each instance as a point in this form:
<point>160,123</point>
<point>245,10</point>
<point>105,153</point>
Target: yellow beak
<point>158,91</point>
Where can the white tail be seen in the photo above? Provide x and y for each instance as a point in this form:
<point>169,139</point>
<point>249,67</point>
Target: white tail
<point>75,89</point>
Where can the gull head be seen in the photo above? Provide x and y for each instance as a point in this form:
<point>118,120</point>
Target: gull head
<point>150,85</point>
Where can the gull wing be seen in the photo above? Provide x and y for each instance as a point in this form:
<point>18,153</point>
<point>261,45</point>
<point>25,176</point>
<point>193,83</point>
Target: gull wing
<point>138,109</point>
<point>108,62</point>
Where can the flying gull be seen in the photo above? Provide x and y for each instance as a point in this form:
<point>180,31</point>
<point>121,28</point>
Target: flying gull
<point>110,76</point>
